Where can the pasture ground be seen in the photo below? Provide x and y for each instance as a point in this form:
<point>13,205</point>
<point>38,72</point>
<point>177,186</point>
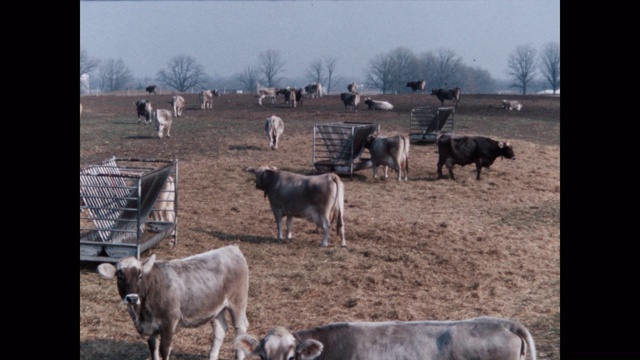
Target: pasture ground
<point>422,249</point>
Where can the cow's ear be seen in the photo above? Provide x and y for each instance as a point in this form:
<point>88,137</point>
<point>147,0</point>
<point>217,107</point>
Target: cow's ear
<point>148,264</point>
<point>309,349</point>
<point>106,270</point>
<point>247,344</point>
<point>500,144</point>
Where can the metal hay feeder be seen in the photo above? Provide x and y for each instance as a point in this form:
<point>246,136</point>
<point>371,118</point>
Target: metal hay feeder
<point>427,123</point>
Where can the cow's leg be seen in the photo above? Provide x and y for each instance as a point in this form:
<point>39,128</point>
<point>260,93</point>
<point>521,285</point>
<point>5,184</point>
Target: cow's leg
<point>219,324</point>
<point>375,169</point>
<point>166,336</point>
<point>289,221</point>
<point>278,215</point>
<point>478,169</point>
<point>160,130</point>
<point>439,167</point>
<point>275,142</point>
<point>326,228</point>
<point>386,171</point>
<point>449,164</point>
<point>240,324</point>
<point>153,343</point>
<point>169,131</point>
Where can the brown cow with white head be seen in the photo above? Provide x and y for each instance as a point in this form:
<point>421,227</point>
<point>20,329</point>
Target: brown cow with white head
<point>163,296</point>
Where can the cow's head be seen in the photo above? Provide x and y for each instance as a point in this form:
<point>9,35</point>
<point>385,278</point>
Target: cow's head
<point>263,175</point>
<point>279,344</point>
<point>506,150</point>
<point>434,91</point>
<point>369,140</point>
<point>130,273</point>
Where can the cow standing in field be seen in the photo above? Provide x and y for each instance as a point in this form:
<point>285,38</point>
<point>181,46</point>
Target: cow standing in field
<point>350,100</point>
<point>390,152</point>
<point>273,127</point>
<point>290,96</point>
<point>315,90</point>
<point>206,98</point>
<point>417,85</point>
<point>162,120</point>
<point>317,198</point>
<point>144,109</point>
<point>511,105</point>
<point>465,150</point>
<point>151,89</point>
<point>447,94</point>
<point>478,338</point>
<point>266,92</point>
<point>378,104</point>
<point>177,102</point>
<point>163,296</point>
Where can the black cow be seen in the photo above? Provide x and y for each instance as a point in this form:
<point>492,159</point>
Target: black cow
<point>144,110</point>
<point>464,150</point>
<point>447,94</point>
<point>417,85</point>
<point>350,100</point>
<point>151,89</point>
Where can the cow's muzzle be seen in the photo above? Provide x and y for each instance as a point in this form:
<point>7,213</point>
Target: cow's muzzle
<point>133,299</point>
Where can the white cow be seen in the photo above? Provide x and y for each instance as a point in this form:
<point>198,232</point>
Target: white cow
<point>318,198</point>
<point>315,90</point>
<point>266,92</point>
<point>206,99</point>
<point>162,119</point>
<point>273,127</point>
<point>389,151</point>
<point>177,102</point>
<point>378,104</point>
<point>511,105</point>
<point>478,338</point>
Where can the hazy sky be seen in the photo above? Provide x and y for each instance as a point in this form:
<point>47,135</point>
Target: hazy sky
<point>226,36</point>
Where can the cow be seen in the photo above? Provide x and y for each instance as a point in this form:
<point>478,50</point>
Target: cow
<point>162,120</point>
<point>266,92</point>
<point>315,90</point>
<point>447,94</point>
<point>164,296</point>
<point>465,150</point>
<point>378,104</point>
<point>317,198</point>
<point>151,89</point>
<point>299,95</point>
<point>144,109</point>
<point>476,338</point>
<point>417,85</point>
<point>290,95</point>
<point>206,99</point>
<point>511,104</point>
<point>390,152</point>
<point>273,127</point>
<point>177,102</point>
<point>350,100</point>
<point>353,87</point>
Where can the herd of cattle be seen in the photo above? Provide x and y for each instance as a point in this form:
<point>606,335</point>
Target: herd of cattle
<point>163,296</point>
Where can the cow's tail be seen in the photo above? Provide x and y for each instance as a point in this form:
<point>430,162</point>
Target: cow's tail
<point>338,204</point>
<point>527,344</point>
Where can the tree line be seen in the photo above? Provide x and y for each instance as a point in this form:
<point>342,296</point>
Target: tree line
<point>386,72</point>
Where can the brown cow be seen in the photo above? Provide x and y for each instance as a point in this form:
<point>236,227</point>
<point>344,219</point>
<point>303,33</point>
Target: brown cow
<point>318,198</point>
<point>163,296</point>
<point>390,152</point>
<point>465,150</point>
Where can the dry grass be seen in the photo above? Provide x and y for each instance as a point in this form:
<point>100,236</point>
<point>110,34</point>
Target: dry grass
<point>423,249</point>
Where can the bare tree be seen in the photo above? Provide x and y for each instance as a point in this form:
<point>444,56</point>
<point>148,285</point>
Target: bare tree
<point>271,66</point>
<point>249,78</point>
<point>114,75</point>
<point>380,75</point>
<point>183,73</point>
<point>550,65</point>
<point>522,67</point>
<point>330,65</point>
<point>477,80</point>
<point>447,69</point>
<point>87,66</point>
<point>315,72</point>
<point>405,68</point>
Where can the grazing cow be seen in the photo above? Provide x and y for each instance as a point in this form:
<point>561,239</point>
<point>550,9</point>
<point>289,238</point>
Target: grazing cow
<point>477,338</point>
<point>350,100</point>
<point>162,119</point>
<point>417,85</point>
<point>177,102</point>
<point>206,99</point>
<point>389,151</point>
<point>353,87</point>
<point>273,127</point>
<point>378,104</point>
<point>465,150</point>
<point>317,198</point>
<point>163,296</point>
<point>151,89</point>
<point>144,108</point>
<point>447,94</point>
<point>315,90</point>
<point>511,104</point>
<point>266,92</point>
